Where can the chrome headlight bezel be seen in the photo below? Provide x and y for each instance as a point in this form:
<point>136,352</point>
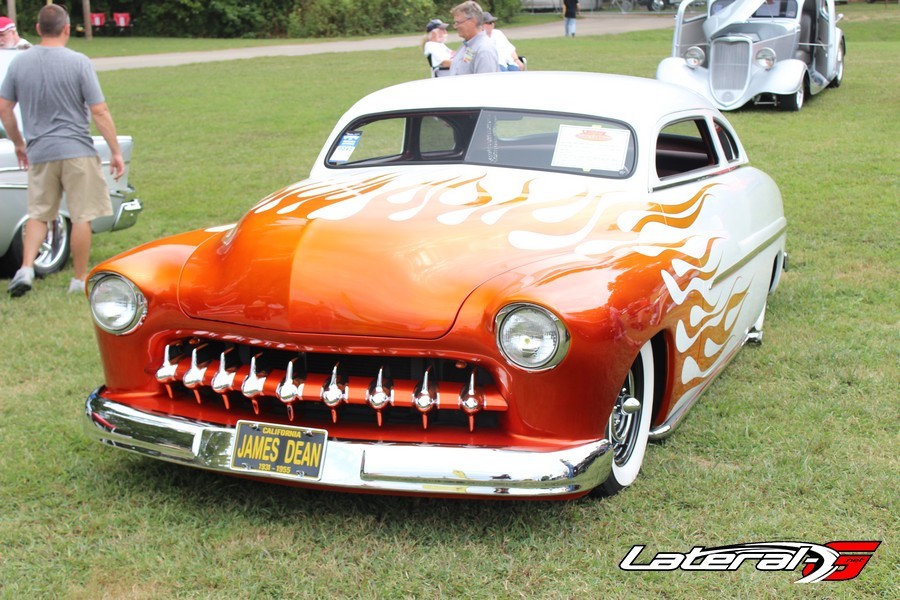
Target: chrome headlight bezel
<point>539,319</point>
<point>694,57</point>
<point>766,58</point>
<point>110,290</point>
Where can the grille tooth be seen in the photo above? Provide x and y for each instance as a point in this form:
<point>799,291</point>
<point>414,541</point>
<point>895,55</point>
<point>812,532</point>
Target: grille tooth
<point>291,387</point>
<point>380,394</point>
<point>223,380</point>
<point>172,354</point>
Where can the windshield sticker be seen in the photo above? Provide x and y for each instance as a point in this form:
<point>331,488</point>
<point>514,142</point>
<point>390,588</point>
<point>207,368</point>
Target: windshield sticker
<point>591,148</point>
<point>345,148</point>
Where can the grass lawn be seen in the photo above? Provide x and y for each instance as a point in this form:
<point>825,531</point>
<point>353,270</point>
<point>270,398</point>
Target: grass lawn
<point>796,441</point>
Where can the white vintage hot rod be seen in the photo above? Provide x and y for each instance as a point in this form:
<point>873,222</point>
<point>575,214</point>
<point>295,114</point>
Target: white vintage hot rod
<point>761,51</point>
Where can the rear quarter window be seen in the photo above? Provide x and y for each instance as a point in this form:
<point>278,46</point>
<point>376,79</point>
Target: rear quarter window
<point>683,147</point>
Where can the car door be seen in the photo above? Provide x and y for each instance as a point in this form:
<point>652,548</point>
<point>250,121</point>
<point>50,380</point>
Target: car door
<point>826,39</point>
<point>725,221</point>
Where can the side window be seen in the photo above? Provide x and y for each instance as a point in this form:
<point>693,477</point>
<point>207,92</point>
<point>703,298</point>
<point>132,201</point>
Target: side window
<point>436,136</point>
<point>376,141</point>
<point>553,142</point>
<point>682,147</point>
<point>729,146</point>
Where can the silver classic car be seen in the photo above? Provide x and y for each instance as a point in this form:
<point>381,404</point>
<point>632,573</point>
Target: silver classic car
<point>14,203</point>
<point>771,52</point>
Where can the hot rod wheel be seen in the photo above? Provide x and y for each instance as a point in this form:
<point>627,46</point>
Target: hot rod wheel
<point>629,425</point>
<point>839,75</point>
<point>53,254</point>
<point>793,102</point>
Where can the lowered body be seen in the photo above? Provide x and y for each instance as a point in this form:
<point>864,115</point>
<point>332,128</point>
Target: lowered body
<point>499,293</point>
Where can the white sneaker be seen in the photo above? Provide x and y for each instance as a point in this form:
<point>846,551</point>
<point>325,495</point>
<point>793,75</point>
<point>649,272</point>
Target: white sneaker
<point>21,282</point>
<point>76,286</point>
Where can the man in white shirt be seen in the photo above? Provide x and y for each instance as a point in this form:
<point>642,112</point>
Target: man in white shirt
<point>507,58</point>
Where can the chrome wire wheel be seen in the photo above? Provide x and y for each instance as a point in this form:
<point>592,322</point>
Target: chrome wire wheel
<point>628,429</point>
<point>623,426</point>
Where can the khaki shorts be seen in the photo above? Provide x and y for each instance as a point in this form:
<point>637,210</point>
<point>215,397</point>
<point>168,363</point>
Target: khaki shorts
<point>82,181</point>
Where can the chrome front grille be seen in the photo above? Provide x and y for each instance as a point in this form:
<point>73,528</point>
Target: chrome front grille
<point>729,68</point>
<point>281,383</point>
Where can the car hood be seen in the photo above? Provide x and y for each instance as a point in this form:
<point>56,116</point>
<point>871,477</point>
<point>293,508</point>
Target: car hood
<point>738,12</point>
<point>384,253</point>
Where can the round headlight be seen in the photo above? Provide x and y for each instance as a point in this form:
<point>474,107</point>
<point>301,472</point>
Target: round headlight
<point>765,58</point>
<point>531,337</point>
<point>694,57</point>
<point>117,305</point>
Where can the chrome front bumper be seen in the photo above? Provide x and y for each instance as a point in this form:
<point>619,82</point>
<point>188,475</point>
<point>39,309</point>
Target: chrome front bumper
<point>383,467</point>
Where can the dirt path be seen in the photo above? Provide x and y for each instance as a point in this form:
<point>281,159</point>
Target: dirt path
<point>591,24</point>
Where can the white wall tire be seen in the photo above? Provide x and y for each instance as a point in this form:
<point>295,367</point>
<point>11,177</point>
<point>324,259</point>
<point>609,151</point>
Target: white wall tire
<point>629,433</point>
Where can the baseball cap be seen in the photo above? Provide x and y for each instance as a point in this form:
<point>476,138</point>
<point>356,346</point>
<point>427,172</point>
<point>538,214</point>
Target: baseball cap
<point>489,18</point>
<point>6,24</point>
<point>434,24</point>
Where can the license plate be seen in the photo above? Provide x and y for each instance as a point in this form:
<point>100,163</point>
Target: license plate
<point>278,450</point>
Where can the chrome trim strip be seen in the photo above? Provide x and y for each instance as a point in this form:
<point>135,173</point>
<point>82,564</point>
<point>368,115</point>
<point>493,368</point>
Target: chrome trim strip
<point>387,467</point>
<point>694,176</point>
<point>749,256</point>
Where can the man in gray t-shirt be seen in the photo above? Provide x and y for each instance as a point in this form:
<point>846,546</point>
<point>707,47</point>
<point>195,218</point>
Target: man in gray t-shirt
<point>58,94</point>
<point>477,54</point>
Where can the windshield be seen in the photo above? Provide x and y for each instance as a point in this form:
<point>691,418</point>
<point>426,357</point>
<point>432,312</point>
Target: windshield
<point>769,9</point>
<point>503,138</point>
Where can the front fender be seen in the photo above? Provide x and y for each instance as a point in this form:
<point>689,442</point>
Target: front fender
<point>675,70</point>
<point>785,77</point>
<point>609,310</point>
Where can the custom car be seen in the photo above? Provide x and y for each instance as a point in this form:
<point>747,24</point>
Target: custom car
<point>769,52</point>
<point>488,286</point>
<point>55,249</point>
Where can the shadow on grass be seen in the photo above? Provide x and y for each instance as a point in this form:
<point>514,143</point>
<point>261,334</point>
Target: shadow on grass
<point>216,497</point>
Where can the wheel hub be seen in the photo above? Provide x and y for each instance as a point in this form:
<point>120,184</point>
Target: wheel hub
<point>624,423</point>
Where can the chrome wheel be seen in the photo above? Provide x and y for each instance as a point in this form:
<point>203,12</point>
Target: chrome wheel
<point>52,255</point>
<point>839,72</point>
<point>54,250</point>
<point>629,424</point>
<point>793,102</point>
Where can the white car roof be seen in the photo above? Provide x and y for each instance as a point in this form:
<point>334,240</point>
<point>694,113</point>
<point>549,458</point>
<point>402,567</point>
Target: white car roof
<point>634,100</point>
